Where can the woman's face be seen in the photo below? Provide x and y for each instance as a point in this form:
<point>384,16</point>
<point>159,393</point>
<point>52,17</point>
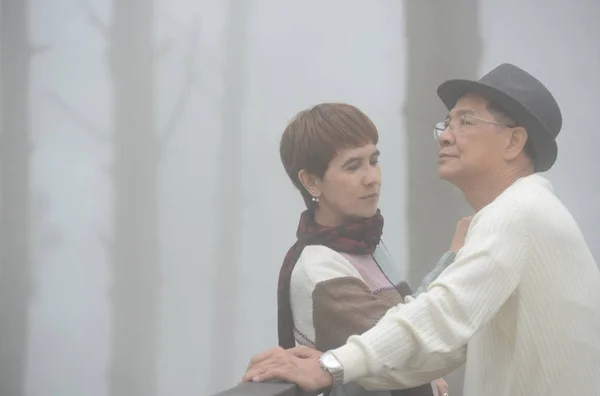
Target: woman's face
<point>350,187</point>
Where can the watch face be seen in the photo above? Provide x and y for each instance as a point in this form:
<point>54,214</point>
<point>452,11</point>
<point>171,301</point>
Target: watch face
<point>331,362</point>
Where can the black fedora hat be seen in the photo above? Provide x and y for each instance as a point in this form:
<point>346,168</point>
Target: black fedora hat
<point>524,98</point>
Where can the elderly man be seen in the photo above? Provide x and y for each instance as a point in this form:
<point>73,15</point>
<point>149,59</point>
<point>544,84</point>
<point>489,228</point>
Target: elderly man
<point>520,306</point>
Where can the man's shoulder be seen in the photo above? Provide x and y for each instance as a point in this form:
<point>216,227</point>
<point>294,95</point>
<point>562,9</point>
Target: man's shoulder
<point>532,195</point>
<point>528,203</point>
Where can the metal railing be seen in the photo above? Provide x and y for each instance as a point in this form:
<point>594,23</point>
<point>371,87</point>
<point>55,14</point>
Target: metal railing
<point>263,389</point>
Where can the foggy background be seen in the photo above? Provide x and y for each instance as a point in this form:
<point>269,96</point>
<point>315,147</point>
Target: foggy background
<point>144,210</point>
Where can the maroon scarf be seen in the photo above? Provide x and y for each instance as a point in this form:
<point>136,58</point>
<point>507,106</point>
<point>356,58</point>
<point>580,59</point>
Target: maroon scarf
<point>357,237</point>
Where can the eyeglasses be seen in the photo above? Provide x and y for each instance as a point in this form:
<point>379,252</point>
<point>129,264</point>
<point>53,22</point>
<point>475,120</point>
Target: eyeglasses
<point>463,120</point>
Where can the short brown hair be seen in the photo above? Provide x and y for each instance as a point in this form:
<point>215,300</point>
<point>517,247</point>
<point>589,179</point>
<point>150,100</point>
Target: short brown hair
<point>315,135</point>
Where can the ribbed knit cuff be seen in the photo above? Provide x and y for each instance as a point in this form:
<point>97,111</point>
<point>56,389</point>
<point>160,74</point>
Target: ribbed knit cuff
<point>353,360</point>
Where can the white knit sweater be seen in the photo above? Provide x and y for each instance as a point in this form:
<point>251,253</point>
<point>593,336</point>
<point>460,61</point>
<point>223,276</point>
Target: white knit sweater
<point>520,305</point>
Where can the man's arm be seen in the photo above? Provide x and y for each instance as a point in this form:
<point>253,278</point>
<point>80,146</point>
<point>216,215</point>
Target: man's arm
<point>420,340</point>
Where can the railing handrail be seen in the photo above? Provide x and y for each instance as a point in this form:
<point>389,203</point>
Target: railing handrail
<point>275,388</point>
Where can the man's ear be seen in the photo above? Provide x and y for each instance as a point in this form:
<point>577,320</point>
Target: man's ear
<point>516,143</point>
<point>310,182</point>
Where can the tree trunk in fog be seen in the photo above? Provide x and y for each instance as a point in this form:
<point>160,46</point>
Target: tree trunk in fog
<point>229,202</point>
<point>136,272</point>
<point>443,41</point>
<point>15,253</point>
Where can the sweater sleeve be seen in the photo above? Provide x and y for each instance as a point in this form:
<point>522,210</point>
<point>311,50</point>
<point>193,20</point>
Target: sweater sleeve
<point>426,339</point>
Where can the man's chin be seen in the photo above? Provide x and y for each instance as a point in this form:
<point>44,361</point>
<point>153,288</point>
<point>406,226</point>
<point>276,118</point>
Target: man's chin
<point>446,173</point>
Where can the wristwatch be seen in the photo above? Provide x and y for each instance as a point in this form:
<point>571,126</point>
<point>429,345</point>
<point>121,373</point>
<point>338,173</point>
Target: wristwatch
<point>332,365</point>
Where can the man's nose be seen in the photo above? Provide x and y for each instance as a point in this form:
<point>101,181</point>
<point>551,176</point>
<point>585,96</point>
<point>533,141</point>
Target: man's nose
<point>446,138</point>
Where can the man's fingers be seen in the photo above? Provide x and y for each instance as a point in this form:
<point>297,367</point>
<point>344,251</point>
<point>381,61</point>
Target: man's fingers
<point>268,364</point>
<point>256,371</point>
<point>263,366</point>
<point>275,373</point>
<point>252,373</point>
<point>275,364</point>
<point>303,352</point>
<point>291,367</point>
<point>265,355</point>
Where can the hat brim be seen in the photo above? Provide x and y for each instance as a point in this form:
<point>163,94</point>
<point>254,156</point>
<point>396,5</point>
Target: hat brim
<point>543,144</point>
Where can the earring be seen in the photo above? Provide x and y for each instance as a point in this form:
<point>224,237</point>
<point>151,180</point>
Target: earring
<point>315,199</point>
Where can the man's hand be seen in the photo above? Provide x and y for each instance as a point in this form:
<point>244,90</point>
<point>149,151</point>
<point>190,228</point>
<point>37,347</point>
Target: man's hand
<point>298,365</point>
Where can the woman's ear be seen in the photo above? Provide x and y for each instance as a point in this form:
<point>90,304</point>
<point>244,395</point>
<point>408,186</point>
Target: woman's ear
<point>516,143</point>
<point>311,183</point>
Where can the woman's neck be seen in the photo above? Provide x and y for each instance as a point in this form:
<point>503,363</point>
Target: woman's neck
<point>326,218</point>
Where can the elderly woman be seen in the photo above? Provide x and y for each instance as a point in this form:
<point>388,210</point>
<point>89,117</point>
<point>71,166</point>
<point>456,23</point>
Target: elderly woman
<point>338,280</point>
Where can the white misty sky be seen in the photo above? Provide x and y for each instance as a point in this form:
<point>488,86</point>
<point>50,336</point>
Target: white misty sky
<point>299,54</point>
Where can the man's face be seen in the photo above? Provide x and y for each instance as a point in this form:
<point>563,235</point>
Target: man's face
<point>473,144</point>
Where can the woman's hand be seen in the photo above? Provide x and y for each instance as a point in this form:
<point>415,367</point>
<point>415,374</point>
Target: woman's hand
<point>441,387</point>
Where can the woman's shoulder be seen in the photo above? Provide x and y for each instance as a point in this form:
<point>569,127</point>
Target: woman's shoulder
<point>319,252</point>
<point>320,263</point>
